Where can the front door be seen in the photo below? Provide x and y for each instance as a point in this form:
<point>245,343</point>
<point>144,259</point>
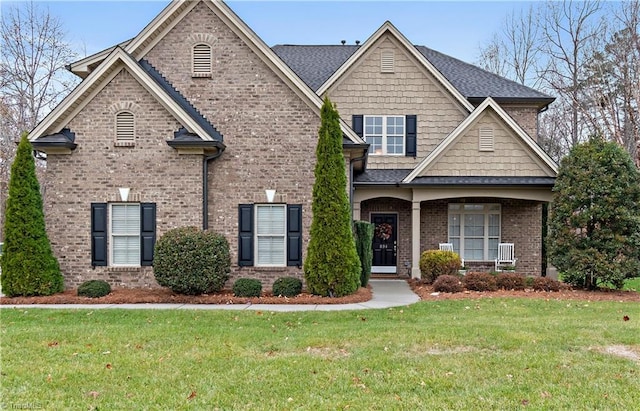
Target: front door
<point>385,243</point>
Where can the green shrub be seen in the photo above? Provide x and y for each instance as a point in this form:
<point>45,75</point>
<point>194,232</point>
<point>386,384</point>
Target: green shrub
<point>94,289</point>
<point>287,286</point>
<point>434,263</point>
<point>28,264</point>
<point>191,261</point>
<point>448,284</point>
<point>510,281</point>
<point>332,267</point>
<point>480,282</point>
<point>364,241</point>
<point>547,284</point>
<point>247,287</point>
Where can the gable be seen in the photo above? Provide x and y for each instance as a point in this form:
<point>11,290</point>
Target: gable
<point>466,157</point>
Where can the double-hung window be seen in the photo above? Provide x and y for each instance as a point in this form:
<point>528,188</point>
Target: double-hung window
<point>474,230</point>
<point>123,234</point>
<point>271,234</point>
<point>385,134</point>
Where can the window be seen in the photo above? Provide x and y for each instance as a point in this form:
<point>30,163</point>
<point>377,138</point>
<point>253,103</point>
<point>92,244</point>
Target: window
<point>474,230</point>
<point>270,235</point>
<point>385,134</point>
<point>125,128</point>
<point>122,234</point>
<point>201,60</point>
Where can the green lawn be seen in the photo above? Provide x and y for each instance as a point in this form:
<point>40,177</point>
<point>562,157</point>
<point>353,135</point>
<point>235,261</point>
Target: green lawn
<point>467,354</point>
<point>632,284</point>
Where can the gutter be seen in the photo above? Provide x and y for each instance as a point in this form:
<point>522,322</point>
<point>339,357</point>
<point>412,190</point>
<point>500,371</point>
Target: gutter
<point>205,187</point>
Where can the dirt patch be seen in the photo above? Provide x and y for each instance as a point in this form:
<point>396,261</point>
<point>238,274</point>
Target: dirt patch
<point>622,351</point>
<point>426,293</point>
<point>166,296</point>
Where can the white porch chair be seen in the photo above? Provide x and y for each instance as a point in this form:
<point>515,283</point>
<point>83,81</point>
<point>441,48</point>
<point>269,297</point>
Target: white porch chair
<point>449,247</point>
<point>506,256</point>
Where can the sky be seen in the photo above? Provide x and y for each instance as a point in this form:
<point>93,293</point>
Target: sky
<point>456,28</point>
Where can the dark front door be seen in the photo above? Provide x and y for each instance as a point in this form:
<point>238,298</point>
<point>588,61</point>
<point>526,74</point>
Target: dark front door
<point>385,243</point>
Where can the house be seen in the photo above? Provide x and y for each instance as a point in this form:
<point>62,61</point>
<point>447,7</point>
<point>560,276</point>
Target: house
<point>196,121</point>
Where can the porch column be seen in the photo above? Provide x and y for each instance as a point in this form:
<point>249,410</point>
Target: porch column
<point>356,211</point>
<point>415,239</point>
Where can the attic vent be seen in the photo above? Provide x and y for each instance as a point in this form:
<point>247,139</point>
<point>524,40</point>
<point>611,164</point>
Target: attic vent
<point>486,139</point>
<point>387,61</point>
<point>125,131</point>
<point>201,60</point>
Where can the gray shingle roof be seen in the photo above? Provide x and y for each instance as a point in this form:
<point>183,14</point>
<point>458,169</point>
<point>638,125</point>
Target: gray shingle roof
<point>315,64</point>
<point>395,176</point>
<point>390,176</point>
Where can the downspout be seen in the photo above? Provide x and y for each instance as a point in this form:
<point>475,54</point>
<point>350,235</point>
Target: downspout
<point>205,187</point>
<point>351,187</point>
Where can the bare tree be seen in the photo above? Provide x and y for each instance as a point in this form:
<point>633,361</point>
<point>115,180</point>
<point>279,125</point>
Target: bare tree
<point>33,79</point>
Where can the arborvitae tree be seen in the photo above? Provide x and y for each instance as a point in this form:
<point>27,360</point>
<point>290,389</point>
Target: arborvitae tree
<point>332,266</point>
<point>28,264</point>
<point>595,216</point>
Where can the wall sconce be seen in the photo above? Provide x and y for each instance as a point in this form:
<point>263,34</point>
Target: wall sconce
<point>124,194</point>
<point>271,195</point>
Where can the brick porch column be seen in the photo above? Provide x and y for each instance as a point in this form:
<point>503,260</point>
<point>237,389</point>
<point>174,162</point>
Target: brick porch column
<point>415,239</point>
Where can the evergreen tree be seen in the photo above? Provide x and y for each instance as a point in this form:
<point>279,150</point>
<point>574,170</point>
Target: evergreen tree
<point>595,216</point>
<point>332,266</point>
<point>28,264</point>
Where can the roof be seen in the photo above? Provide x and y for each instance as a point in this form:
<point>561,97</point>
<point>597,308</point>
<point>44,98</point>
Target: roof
<point>315,64</point>
<point>382,176</point>
<point>395,177</point>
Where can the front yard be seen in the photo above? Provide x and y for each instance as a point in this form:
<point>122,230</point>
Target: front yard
<point>490,353</point>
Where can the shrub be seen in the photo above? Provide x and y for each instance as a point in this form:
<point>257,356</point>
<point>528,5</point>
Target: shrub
<point>480,282</point>
<point>94,289</point>
<point>287,286</point>
<point>28,264</point>
<point>547,284</point>
<point>509,281</point>
<point>191,261</point>
<point>448,284</point>
<point>247,287</point>
<point>364,240</point>
<point>332,267</point>
<point>434,263</point>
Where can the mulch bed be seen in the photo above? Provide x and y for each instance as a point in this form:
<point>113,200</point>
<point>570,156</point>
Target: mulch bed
<point>426,293</point>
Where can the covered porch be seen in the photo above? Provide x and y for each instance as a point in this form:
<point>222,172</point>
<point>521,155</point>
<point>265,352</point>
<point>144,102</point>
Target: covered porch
<point>474,215</point>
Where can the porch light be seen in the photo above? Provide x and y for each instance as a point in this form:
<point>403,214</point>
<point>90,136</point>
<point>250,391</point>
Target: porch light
<point>271,195</point>
<point>124,194</point>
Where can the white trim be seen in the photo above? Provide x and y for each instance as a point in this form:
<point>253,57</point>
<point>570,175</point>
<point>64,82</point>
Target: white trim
<point>485,212</point>
<point>384,134</point>
<point>110,242</point>
<point>256,236</point>
<point>464,126</point>
<point>387,27</point>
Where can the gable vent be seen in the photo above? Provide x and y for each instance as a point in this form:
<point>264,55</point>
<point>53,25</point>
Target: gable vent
<point>486,139</point>
<point>125,132</point>
<point>201,60</point>
<point>387,61</point>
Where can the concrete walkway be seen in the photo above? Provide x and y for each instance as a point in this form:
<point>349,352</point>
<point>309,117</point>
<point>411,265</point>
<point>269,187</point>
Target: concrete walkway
<point>386,293</point>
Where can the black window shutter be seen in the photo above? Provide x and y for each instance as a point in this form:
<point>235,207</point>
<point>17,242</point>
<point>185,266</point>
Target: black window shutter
<point>98,234</point>
<point>357,124</point>
<point>147,232</point>
<point>245,235</point>
<point>294,235</point>
<point>412,134</point>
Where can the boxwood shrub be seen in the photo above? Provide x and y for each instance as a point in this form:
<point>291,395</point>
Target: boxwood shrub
<point>247,287</point>
<point>94,289</point>
<point>287,286</point>
<point>191,261</point>
<point>434,263</point>
<point>510,281</point>
<point>477,281</point>
<point>448,284</point>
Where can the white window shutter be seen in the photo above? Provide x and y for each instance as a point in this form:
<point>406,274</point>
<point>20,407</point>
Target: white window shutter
<point>201,60</point>
<point>486,140</point>
<point>125,129</point>
<point>387,61</point>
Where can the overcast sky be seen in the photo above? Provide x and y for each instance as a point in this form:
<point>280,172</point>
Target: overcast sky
<point>456,28</point>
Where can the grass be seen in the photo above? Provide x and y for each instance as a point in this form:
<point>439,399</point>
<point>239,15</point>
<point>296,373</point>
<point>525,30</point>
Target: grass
<point>459,354</point>
<point>632,284</point>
